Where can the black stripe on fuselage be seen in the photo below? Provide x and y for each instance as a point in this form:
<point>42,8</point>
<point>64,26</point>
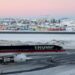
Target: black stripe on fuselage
<point>31,48</point>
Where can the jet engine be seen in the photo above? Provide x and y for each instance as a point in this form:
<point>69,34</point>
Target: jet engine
<point>20,58</point>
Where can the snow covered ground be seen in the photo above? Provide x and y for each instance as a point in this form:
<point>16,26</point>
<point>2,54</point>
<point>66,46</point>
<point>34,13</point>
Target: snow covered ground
<point>37,37</point>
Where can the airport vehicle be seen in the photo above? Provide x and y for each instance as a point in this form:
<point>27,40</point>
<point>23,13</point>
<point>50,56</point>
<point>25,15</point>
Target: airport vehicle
<point>22,53</point>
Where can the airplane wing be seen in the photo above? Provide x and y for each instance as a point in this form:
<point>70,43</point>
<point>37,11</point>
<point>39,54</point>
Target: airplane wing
<point>40,58</point>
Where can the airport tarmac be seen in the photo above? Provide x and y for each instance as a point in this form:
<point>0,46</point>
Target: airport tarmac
<point>58,70</point>
<point>37,67</point>
<point>24,67</point>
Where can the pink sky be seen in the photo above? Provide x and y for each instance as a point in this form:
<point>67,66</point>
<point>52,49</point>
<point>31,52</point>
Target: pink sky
<point>37,7</point>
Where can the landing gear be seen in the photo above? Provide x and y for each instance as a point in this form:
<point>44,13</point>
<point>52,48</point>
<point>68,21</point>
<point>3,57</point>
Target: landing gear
<point>6,60</point>
<point>1,60</point>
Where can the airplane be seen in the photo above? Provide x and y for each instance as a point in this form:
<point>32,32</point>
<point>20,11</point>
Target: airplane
<point>23,53</point>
